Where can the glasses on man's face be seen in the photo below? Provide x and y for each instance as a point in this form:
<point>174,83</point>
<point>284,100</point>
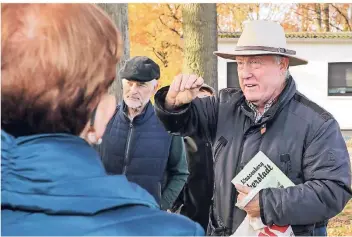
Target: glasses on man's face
<point>253,63</point>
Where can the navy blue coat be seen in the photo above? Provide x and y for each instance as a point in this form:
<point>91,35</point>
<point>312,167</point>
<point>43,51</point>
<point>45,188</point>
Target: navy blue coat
<point>146,153</point>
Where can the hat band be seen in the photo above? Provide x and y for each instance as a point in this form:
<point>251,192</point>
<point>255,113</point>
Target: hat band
<point>264,48</point>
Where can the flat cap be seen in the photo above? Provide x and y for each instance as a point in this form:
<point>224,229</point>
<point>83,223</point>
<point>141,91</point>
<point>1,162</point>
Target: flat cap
<point>208,88</point>
<point>140,68</point>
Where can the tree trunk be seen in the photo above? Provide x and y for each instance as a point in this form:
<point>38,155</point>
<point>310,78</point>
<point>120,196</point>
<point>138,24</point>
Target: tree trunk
<point>304,21</point>
<point>346,23</point>
<point>119,14</point>
<point>326,16</point>
<point>317,20</point>
<point>200,41</point>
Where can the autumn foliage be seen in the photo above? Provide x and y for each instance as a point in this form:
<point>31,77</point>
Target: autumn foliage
<point>156,29</point>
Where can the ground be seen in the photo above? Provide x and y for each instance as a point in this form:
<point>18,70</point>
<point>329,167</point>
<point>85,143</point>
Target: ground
<point>341,225</point>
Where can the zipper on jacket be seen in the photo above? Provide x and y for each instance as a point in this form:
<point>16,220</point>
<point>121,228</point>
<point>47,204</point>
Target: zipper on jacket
<point>262,130</point>
<point>232,190</point>
<point>239,166</point>
<point>285,158</point>
<point>222,142</point>
<point>127,150</point>
<point>209,165</point>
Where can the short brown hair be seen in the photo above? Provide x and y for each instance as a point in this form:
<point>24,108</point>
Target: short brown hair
<point>57,61</point>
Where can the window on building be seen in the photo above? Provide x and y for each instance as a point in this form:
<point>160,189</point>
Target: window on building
<point>232,76</point>
<point>340,79</point>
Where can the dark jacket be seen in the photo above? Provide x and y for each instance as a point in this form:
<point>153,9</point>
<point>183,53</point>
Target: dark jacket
<point>195,199</point>
<point>143,151</point>
<point>301,138</point>
<point>55,184</point>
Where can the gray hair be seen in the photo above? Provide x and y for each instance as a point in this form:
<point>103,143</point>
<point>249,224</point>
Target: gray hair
<point>153,82</point>
<point>278,59</point>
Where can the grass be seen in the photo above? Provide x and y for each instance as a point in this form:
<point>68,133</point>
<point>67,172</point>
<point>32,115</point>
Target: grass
<point>349,143</point>
<point>341,225</point>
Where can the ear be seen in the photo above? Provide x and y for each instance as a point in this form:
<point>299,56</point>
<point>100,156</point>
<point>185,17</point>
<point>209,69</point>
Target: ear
<point>284,63</point>
<point>105,111</point>
<point>156,87</point>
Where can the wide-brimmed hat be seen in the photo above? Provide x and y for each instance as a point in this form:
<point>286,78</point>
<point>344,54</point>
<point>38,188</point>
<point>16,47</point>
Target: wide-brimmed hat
<point>261,37</point>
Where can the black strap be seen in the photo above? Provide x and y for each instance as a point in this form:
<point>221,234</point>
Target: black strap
<point>265,48</point>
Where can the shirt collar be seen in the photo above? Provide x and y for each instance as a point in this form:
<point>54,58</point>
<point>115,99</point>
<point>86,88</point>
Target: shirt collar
<point>258,115</point>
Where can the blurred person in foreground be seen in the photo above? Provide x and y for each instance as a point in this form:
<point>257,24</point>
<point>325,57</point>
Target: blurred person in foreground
<point>58,61</point>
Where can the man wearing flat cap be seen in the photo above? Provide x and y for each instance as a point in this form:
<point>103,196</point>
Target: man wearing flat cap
<point>136,144</point>
<point>266,114</point>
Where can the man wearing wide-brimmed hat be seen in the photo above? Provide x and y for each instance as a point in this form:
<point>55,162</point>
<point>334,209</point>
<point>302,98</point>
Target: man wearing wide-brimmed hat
<point>268,114</point>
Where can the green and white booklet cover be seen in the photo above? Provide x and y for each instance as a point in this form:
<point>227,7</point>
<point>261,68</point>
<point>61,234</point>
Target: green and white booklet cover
<point>260,173</point>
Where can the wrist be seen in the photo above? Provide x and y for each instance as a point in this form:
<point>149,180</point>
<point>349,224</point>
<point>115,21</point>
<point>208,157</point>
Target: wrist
<point>170,104</point>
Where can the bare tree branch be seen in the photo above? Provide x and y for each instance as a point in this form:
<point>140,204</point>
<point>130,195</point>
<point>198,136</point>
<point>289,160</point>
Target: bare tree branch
<point>170,28</point>
<point>150,34</point>
<point>173,46</point>
<point>335,26</point>
<point>161,56</point>
<point>343,16</point>
<point>173,14</point>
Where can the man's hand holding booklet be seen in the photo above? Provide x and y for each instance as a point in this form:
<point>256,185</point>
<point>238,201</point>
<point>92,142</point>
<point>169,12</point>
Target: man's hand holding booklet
<point>260,173</point>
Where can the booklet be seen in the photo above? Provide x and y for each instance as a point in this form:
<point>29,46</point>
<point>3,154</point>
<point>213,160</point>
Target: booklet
<point>260,173</point>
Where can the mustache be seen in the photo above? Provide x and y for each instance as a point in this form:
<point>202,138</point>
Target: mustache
<point>133,97</point>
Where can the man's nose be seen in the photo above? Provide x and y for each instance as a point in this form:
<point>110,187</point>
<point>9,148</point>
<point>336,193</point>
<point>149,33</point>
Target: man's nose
<point>133,87</point>
<point>246,71</point>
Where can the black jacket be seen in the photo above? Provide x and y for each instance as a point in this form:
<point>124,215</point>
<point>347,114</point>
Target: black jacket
<point>195,199</point>
<point>301,138</point>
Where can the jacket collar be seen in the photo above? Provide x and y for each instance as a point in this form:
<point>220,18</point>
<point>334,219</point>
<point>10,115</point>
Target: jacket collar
<point>147,112</point>
<point>286,95</point>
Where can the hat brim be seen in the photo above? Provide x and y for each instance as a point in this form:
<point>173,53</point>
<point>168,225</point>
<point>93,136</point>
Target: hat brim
<point>139,79</point>
<point>294,61</point>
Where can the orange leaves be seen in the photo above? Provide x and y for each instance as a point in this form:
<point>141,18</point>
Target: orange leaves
<point>155,31</point>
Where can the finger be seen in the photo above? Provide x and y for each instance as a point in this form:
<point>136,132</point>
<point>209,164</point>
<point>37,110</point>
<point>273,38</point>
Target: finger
<point>198,83</point>
<point>175,85</point>
<point>191,80</point>
<point>253,213</point>
<point>249,212</point>
<point>240,197</point>
<point>242,189</point>
<point>184,81</point>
